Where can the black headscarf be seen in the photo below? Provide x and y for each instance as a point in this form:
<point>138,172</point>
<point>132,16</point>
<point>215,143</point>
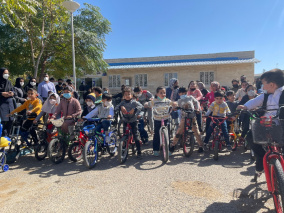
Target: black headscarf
<point>28,86</point>
<point>5,85</point>
<point>17,84</point>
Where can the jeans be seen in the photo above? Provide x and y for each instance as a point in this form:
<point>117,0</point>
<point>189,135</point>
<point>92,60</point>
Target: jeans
<point>199,120</point>
<point>26,129</point>
<point>224,131</point>
<point>142,131</point>
<point>105,124</point>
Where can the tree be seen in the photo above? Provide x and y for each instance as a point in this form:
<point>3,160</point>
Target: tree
<point>10,10</point>
<point>48,35</point>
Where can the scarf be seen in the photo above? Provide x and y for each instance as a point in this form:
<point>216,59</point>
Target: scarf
<point>49,108</point>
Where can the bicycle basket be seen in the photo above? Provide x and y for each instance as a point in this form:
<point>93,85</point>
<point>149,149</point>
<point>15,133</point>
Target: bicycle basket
<point>267,130</point>
<point>58,122</point>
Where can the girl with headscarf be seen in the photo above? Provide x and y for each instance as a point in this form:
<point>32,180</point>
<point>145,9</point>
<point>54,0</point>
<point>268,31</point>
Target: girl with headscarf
<point>31,84</point>
<point>20,94</point>
<point>6,100</point>
<point>202,88</point>
<point>49,106</point>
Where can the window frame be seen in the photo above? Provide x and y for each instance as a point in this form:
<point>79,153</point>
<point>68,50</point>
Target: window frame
<point>117,81</point>
<point>143,75</point>
<point>208,78</point>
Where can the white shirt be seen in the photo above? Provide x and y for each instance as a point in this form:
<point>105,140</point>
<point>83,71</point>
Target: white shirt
<point>272,102</point>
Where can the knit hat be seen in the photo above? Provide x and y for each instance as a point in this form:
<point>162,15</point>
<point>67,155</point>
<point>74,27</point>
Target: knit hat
<point>91,96</point>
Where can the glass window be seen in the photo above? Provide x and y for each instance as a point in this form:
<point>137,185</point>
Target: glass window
<point>114,81</point>
<point>207,77</point>
<point>141,80</point>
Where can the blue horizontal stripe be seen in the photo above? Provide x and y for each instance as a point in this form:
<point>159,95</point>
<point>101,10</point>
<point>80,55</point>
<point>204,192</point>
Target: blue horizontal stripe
<point>177,61</point>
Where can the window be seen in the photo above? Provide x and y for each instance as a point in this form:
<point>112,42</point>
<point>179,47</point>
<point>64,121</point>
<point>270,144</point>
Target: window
<point>141,80</point>
<point>207,77</point>
<point>169,76</point>
<point>114,81</point>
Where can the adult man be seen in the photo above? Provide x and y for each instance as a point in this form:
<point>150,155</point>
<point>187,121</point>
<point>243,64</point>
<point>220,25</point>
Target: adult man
<point>236,86</point>
<point>45,86</point>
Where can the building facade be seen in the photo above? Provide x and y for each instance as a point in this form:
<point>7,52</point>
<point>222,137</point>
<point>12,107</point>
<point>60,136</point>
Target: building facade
<point>151,72</point>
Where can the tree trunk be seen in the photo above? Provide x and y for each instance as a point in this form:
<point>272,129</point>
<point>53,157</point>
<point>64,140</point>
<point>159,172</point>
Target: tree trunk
<point>42,71</point>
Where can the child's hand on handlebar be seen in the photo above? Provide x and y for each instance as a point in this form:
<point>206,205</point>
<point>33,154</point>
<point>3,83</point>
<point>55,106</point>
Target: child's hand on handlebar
<point>109,117</point>
<point>68,117</point>
<point>242,107</point>
<point>131,112</point>
<point>29,112</point>
<point>123,110</point>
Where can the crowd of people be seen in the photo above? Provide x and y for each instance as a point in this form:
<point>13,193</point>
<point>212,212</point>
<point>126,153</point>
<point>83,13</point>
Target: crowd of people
<point>34,101</point>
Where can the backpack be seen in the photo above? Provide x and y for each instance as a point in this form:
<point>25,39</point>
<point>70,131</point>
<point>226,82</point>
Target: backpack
<point>281,102</point>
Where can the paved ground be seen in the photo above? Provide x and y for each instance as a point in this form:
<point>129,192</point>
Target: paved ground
<point>195,184</point>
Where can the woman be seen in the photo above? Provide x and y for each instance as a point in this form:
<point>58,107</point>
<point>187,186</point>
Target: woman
<point>20,94</point>
<point>202,88</point>
<point>31,84</point>
<point>244,118</point>
<point>196,93</point>
<point>7,103</point>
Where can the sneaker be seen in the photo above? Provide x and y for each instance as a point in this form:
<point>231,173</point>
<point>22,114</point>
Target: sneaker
<point>139,155</point>
<point>205,147</point>
<point>200,150</point>
<point>156,153</point>
<point>257,175</point>
<point>229,148</point>
<point>107,139</point>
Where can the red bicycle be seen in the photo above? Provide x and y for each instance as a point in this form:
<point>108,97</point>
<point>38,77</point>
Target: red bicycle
<point>268,132</point>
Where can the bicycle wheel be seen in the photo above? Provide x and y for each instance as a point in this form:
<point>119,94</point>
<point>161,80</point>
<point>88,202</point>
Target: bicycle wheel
<point>123,149</point>
<point>41,150</point>
<point>165,145</point>
<point>90,154</point>
<point>4,166</point>
<point>277,184</point>
<point>111,147</point>
<point>120,128</point>
<point>188,143</point>
<point>56,150</point>
<point>75,152</point>
<point>216,149</point>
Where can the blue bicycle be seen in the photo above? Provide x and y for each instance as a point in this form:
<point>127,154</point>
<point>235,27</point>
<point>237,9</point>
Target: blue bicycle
<point>97,142</point>
<point>4,142</point>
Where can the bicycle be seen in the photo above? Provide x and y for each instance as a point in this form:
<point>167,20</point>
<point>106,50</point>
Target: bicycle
<point>187,140</point>
<point>126,141</point>
<point>273,162</point>
<point>164,131</point>
<point>57,147</point>
<point>4,142</point>
<point>97,143</point>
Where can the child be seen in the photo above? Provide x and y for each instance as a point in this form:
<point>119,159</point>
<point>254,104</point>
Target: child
<point>232,104</point>
<point>105,110</point>
<point>131,110</point>
<point>218,108</point>
<point>69,107</point>
<point>90,104</point>
<point>160,103</point>
<point>242,91</point>
<point>273,84</point>
<point>187,102</point>
<point>33,107</point>
<point>99,93</point>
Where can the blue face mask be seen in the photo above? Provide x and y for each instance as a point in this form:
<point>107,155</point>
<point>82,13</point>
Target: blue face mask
<point>67,95</point>
<point>161,99</point>
<point>183,96</point>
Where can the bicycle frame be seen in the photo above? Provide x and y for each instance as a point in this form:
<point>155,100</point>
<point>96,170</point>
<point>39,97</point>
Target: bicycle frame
<point>217,130</point>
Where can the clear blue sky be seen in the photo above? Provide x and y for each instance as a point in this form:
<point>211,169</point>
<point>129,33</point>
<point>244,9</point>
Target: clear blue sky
<point>183,27</point>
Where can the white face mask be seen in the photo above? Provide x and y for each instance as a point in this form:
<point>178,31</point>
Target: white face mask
<point>139,95</point>
<point>22,84</point>
<point>251,93</point>
<point>52,101</point>
<point>6,76</point>
<point>46,79</point>
<point>89,103</point>
<point>107,103</point>
<point>28,98</point>
<point>33,83</point>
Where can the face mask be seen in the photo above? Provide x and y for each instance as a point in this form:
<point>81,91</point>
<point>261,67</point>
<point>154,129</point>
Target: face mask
<point>139,95</point>
<point>107,103</point>
<point>235,85</point>
<point>28,98</point>
<point>192,89</point>
<point>59,83</point>
<point>67,95</point>
<point>161,99</point>
<point>264,91</point>
<point>183,96</point>
<point>46,79</point>
<point>33,83</point>
<point>52,101</point>
<point>89,103</point>
<point>251,93</point>
<point>22,84</point>
<point>6,76</point>
<point>105,92</point>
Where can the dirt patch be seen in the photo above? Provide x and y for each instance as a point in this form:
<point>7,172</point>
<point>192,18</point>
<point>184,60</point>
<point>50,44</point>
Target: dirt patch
<point>197,189</point>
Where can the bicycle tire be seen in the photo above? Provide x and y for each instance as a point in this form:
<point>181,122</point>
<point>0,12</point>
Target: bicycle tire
<point>119,129</point>
<point>58,148</point>
<point>188,144</point>
<point>123,149</point>
<point>277,184</point>
<point>75,152</point>
<point>41,150</point>
<point>111,148</point>
<point>90,154</point>
<point>216,150</point>
<point>165,145</point>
